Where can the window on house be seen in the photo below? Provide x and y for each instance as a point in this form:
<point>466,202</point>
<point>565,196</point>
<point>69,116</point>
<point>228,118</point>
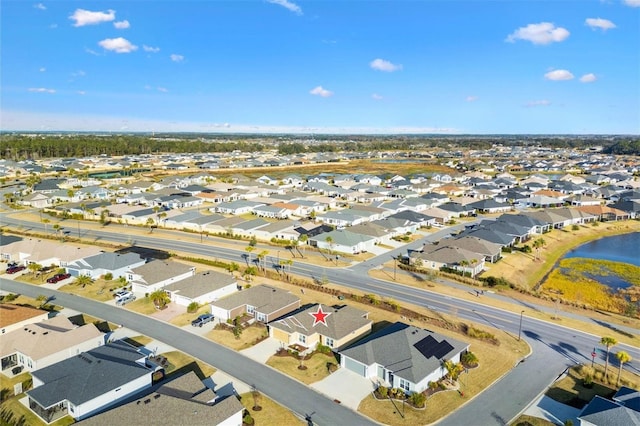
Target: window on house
<point>404,384</point>
<point>250,309</point>
<point>328,341</point>
<point>302,338</point>
<point>261,317</point>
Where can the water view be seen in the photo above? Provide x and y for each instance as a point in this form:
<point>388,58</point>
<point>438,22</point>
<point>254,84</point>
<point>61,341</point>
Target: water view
<point>619,248</point>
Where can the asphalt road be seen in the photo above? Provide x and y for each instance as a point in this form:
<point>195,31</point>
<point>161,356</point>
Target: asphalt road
<point>299,398</point>
<point>555,347</point>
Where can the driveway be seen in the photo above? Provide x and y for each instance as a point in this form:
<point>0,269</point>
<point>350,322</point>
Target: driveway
<point>263,350</point>
<point>345,386</point>
<point>172,310</point>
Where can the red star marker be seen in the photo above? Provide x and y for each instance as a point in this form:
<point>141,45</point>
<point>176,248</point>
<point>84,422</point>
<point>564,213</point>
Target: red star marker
<point>319,316</point>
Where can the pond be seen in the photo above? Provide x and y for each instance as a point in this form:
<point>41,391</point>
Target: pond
<point>618,248</point>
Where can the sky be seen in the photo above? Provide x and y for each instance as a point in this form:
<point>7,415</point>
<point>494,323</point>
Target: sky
<point>321,66</point>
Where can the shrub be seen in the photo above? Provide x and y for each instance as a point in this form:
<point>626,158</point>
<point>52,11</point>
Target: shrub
<point>247,420</point>
<point>417,399</point>
<point>383,391</point>
<point>193,306</point>
<point>575,227</point>
<point>108,276</point>
<point>323,349</point>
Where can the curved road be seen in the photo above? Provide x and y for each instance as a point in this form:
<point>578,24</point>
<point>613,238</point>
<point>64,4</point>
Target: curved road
<point>554,347</point>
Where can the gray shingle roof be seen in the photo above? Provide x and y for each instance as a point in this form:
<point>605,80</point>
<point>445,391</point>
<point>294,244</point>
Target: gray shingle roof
<point>265,298</point>
<point>602,412</point>
<point>88,375</point>
<point>340,323</point>
<point>201,283</point>
<point>112,261</point>
<point>394,347</point>
<point>160,270</point>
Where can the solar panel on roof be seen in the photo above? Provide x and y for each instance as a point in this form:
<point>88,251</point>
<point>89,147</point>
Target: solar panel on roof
<point>430,347</point>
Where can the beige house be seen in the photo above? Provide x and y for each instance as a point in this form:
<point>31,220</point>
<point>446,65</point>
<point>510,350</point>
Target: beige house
<point>15,317</point>
<point>44,343</point>
<point>44,252</point>
<point>263,302</point>
<point>342,325</point>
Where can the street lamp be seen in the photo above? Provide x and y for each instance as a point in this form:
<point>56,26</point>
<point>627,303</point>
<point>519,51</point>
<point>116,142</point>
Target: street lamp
<point>593,357</point>
<point>395,262</point>
<point>520,328</point>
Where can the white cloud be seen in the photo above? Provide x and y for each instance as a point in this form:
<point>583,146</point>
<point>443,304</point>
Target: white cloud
<point>79,73</point>
<point>558,75</point>
<point>81,92</point>
<point>288,5</point>
<point>91,51</point>
<point>382,65</point>
<point>118,45</point>
<point>163,89</point>
<point>542,33</point>
<point>122,25</point>
<point>377,97</point>
<point>320,91</point>
<point>603,24</point>
<point>42,69</point>
<point>53,26</point>
<point>588,78</point>
<point>543,102</point>
<point>150,49</point>
<point>40,6</point>
<point>87,17</point>
<point>471,98</point>
<point>41,90</point>
<point>176,58</point>
<point>632,3</point>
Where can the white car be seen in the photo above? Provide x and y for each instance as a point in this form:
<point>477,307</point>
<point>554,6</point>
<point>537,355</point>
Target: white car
<point>126,299</point>
<point>122,293</point>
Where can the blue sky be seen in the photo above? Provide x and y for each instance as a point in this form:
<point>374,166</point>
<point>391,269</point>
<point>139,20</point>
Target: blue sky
<point>343,66</point>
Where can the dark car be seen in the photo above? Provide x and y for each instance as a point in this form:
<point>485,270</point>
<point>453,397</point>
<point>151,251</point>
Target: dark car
<point>57,278</point>
<point>14,269</point>
<point>202,320</point>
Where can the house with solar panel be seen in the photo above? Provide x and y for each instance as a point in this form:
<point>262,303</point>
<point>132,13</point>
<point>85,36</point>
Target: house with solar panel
<point>403,356</point>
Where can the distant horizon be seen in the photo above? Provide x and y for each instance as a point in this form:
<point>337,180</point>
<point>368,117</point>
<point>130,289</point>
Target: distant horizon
<point>319,67</point>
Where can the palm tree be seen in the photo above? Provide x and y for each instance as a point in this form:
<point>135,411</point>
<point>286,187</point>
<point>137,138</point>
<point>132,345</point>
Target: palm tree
<point>160,298</point>
<point>538,244</point>
<point>329,241</point>
<point>46,222</point>
<point>233,266</point>
<point>250,272</point>
<point>150,222</point>
<point>83,280</point>
<point>249,249</point>
<point>623,357</point>
<point>303,240</point>
<point>263,256</point>
<point>34,267</point>
<point>609,342</point>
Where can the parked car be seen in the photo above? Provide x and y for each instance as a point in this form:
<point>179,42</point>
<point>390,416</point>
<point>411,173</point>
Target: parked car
<point>122,293</point>
<point>124,300</point>
<point>202,320</point>
<point>14,269</point>
<point>57,278</point>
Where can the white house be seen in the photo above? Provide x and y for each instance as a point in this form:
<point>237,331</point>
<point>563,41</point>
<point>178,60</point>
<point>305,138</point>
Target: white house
<point>202,288</point>
<point>117,264</point>
<point>157,274</point>
<point>89,382</point>
<point>402,356</point>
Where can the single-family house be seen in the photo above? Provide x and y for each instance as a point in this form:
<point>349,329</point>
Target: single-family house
<point>338,326</point>
<point>237,207</point>
<point>265,303</point>
<point>622,409</point>
<point>43,343</point>
<point>184,400</point>
<point>14,317</point>
<point>117,264</point>
<point>202,288</point>
<point>343,241</point>
<point>449,256</point>
<point>156,274</point>
<point>402,356</point>
<point>88,382</point>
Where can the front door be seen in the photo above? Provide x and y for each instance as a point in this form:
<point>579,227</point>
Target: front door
<point>390,379</point>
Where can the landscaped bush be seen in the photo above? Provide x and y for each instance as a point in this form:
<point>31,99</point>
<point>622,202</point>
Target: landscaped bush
<point>383,391</point>
<point>417,399</point>
<point>193,306</point>
<point>323,349</point>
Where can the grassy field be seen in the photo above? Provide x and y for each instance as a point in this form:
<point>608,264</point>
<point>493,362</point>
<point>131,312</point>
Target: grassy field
<point>143,305</point>
<point>271,413</point>
<point>180,363</point>
<point>247,339</point>
<point>316,367</point>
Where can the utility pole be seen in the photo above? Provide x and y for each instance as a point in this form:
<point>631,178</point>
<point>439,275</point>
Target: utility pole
<point>395,263</point>
<point>520,328</point>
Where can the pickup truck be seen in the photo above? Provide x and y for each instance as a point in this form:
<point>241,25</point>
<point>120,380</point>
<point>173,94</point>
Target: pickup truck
<point>202,320</point>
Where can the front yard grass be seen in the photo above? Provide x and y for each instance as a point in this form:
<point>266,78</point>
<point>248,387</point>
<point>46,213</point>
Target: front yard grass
<point>142,305</point>
<point>271,414</point>
<point>180,363</point>
<point>98,290</point>
<point>571,390</point>
<point>187,317</point>
<point>248,338</point>
<point>316,366</point>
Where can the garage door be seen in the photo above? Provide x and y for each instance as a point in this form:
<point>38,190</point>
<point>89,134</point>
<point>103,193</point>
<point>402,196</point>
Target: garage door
<point>354,366</point>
